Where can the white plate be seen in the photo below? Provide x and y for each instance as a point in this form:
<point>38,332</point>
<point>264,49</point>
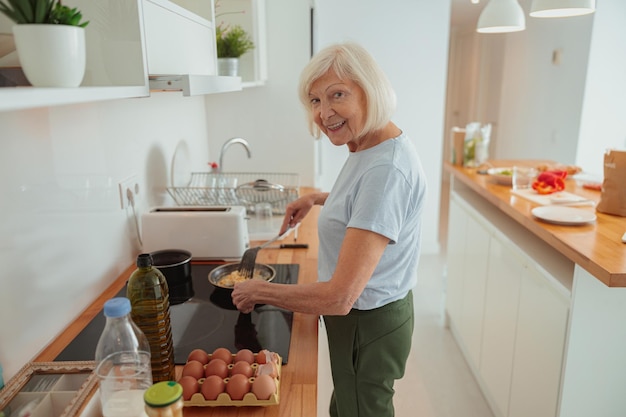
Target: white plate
<point>504,179</point>
<point>564,215</point>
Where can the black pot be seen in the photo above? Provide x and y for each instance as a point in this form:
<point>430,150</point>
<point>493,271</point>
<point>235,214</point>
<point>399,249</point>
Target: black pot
<point>175,264</point>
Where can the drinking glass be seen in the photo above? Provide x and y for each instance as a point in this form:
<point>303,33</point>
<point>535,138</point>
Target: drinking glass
<point>523,177</point>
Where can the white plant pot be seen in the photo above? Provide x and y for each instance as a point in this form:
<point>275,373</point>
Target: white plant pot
<point>51,55</point>
<point>228,66</point>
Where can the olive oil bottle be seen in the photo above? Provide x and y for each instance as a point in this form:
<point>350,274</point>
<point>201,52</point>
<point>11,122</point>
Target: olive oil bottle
<point>149,297</point>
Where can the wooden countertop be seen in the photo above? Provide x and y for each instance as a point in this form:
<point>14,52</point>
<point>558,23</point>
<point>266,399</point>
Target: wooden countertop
<point>298,389</point>
<point>597,247</point>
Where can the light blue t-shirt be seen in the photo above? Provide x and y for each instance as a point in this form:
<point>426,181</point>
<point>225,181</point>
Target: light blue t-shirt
<point>381,189</point>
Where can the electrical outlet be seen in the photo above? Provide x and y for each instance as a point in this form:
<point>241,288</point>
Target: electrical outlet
<point>130,183</point>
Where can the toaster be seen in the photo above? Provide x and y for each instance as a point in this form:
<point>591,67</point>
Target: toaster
<point>209,233</point>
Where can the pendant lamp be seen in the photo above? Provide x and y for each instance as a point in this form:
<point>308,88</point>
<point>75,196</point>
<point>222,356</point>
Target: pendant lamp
<point>501,16</point>
<point>562,8</point>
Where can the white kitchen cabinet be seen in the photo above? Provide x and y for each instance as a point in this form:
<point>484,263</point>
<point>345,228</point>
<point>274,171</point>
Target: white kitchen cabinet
<point>177,40</point>
<point>181,50</point>
<point>476,260</point>
<point>468,251</point>
<point>136,46</point>
<point>539,346</point>
<point>508,301</point>
<point>501,305</point>
<point>115,66</point>
<point>457,230</point>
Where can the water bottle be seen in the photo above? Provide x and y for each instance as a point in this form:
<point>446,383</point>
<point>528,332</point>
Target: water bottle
<point>149,297</point>
<point>122,362</point>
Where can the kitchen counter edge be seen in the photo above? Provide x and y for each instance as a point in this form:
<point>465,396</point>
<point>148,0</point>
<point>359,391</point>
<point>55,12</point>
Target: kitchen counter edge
<point>596,248</point>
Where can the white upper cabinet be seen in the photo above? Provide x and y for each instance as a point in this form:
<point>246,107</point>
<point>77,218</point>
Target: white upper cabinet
<point>135,46</point>
<point>115,66</point>
<point>181,51</point>
<point>177,40</point>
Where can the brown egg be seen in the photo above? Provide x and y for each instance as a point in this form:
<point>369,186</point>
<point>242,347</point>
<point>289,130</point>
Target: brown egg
<point>212,387</point>
<point>244,355</point>
<point>190,386</point>
<point>242,367</point>
<point>194,369</point>
<point>223,354</point>
<point>216,367</point>
<point>261,357</point>
<point>238,385</point>
<point>198,355</point>
<point>263,387</point>
<point>265,356</point>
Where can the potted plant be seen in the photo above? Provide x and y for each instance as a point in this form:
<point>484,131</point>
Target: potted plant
<point>232,42</point>
<point>50,41</point>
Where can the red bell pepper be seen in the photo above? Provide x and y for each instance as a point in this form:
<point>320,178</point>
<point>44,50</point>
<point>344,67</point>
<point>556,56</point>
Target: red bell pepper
<point>549,182</point>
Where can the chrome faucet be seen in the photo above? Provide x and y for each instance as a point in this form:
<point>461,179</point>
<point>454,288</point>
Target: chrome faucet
<point>227,144</point>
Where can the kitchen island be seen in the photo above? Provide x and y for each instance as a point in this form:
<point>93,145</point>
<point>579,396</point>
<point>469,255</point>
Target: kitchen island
<point>537,308</point>
<point>298,387</point>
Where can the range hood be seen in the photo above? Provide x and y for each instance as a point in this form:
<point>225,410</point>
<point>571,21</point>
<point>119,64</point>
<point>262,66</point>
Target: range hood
<point>192,85</point>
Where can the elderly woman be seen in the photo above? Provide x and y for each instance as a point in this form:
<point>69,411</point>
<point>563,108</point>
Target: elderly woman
<point>369,233</point>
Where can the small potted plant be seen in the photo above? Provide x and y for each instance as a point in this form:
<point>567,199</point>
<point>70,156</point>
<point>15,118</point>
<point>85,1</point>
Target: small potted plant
<point>232,42</point>
<point>50,41</point>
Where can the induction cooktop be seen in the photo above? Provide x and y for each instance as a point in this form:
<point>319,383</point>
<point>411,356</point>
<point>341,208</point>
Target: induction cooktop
<point>208,320</point>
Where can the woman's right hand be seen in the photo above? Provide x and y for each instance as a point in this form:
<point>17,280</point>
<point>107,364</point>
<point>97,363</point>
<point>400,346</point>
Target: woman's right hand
<point>298,209</point>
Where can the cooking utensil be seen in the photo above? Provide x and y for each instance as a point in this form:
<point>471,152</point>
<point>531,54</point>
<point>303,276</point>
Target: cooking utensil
<point>289,246</point>
<point>248,260</point>
<point>175,264</point>
<point>263,271</point>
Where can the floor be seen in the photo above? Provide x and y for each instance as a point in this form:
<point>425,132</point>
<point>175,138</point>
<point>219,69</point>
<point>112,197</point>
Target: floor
<point>438,382</point>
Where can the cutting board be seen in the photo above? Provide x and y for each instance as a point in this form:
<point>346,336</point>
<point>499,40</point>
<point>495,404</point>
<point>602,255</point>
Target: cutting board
<point>558,198</point>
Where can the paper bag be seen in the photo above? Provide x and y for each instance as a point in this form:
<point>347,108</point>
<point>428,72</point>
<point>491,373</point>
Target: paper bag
<point>613,198</point>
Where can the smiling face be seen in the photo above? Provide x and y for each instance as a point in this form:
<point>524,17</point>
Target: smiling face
<point>339,109</point>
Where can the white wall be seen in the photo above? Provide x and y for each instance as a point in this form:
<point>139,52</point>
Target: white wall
<point>409,39</point>
<point>541,102</point>
<point>603,119</point>
<point>63,236</point>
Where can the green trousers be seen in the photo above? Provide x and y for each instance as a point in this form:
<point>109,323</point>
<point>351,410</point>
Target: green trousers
<point>368,352</point>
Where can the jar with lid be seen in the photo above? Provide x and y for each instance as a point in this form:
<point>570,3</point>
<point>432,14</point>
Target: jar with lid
<point>149,297</point>
<point>164,399</point>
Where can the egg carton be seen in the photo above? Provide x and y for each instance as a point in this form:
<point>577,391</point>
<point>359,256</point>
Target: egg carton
<point>249,399</point>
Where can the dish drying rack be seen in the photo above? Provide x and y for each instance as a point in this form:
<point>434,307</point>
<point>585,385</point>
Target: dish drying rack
<point>238,189</point>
